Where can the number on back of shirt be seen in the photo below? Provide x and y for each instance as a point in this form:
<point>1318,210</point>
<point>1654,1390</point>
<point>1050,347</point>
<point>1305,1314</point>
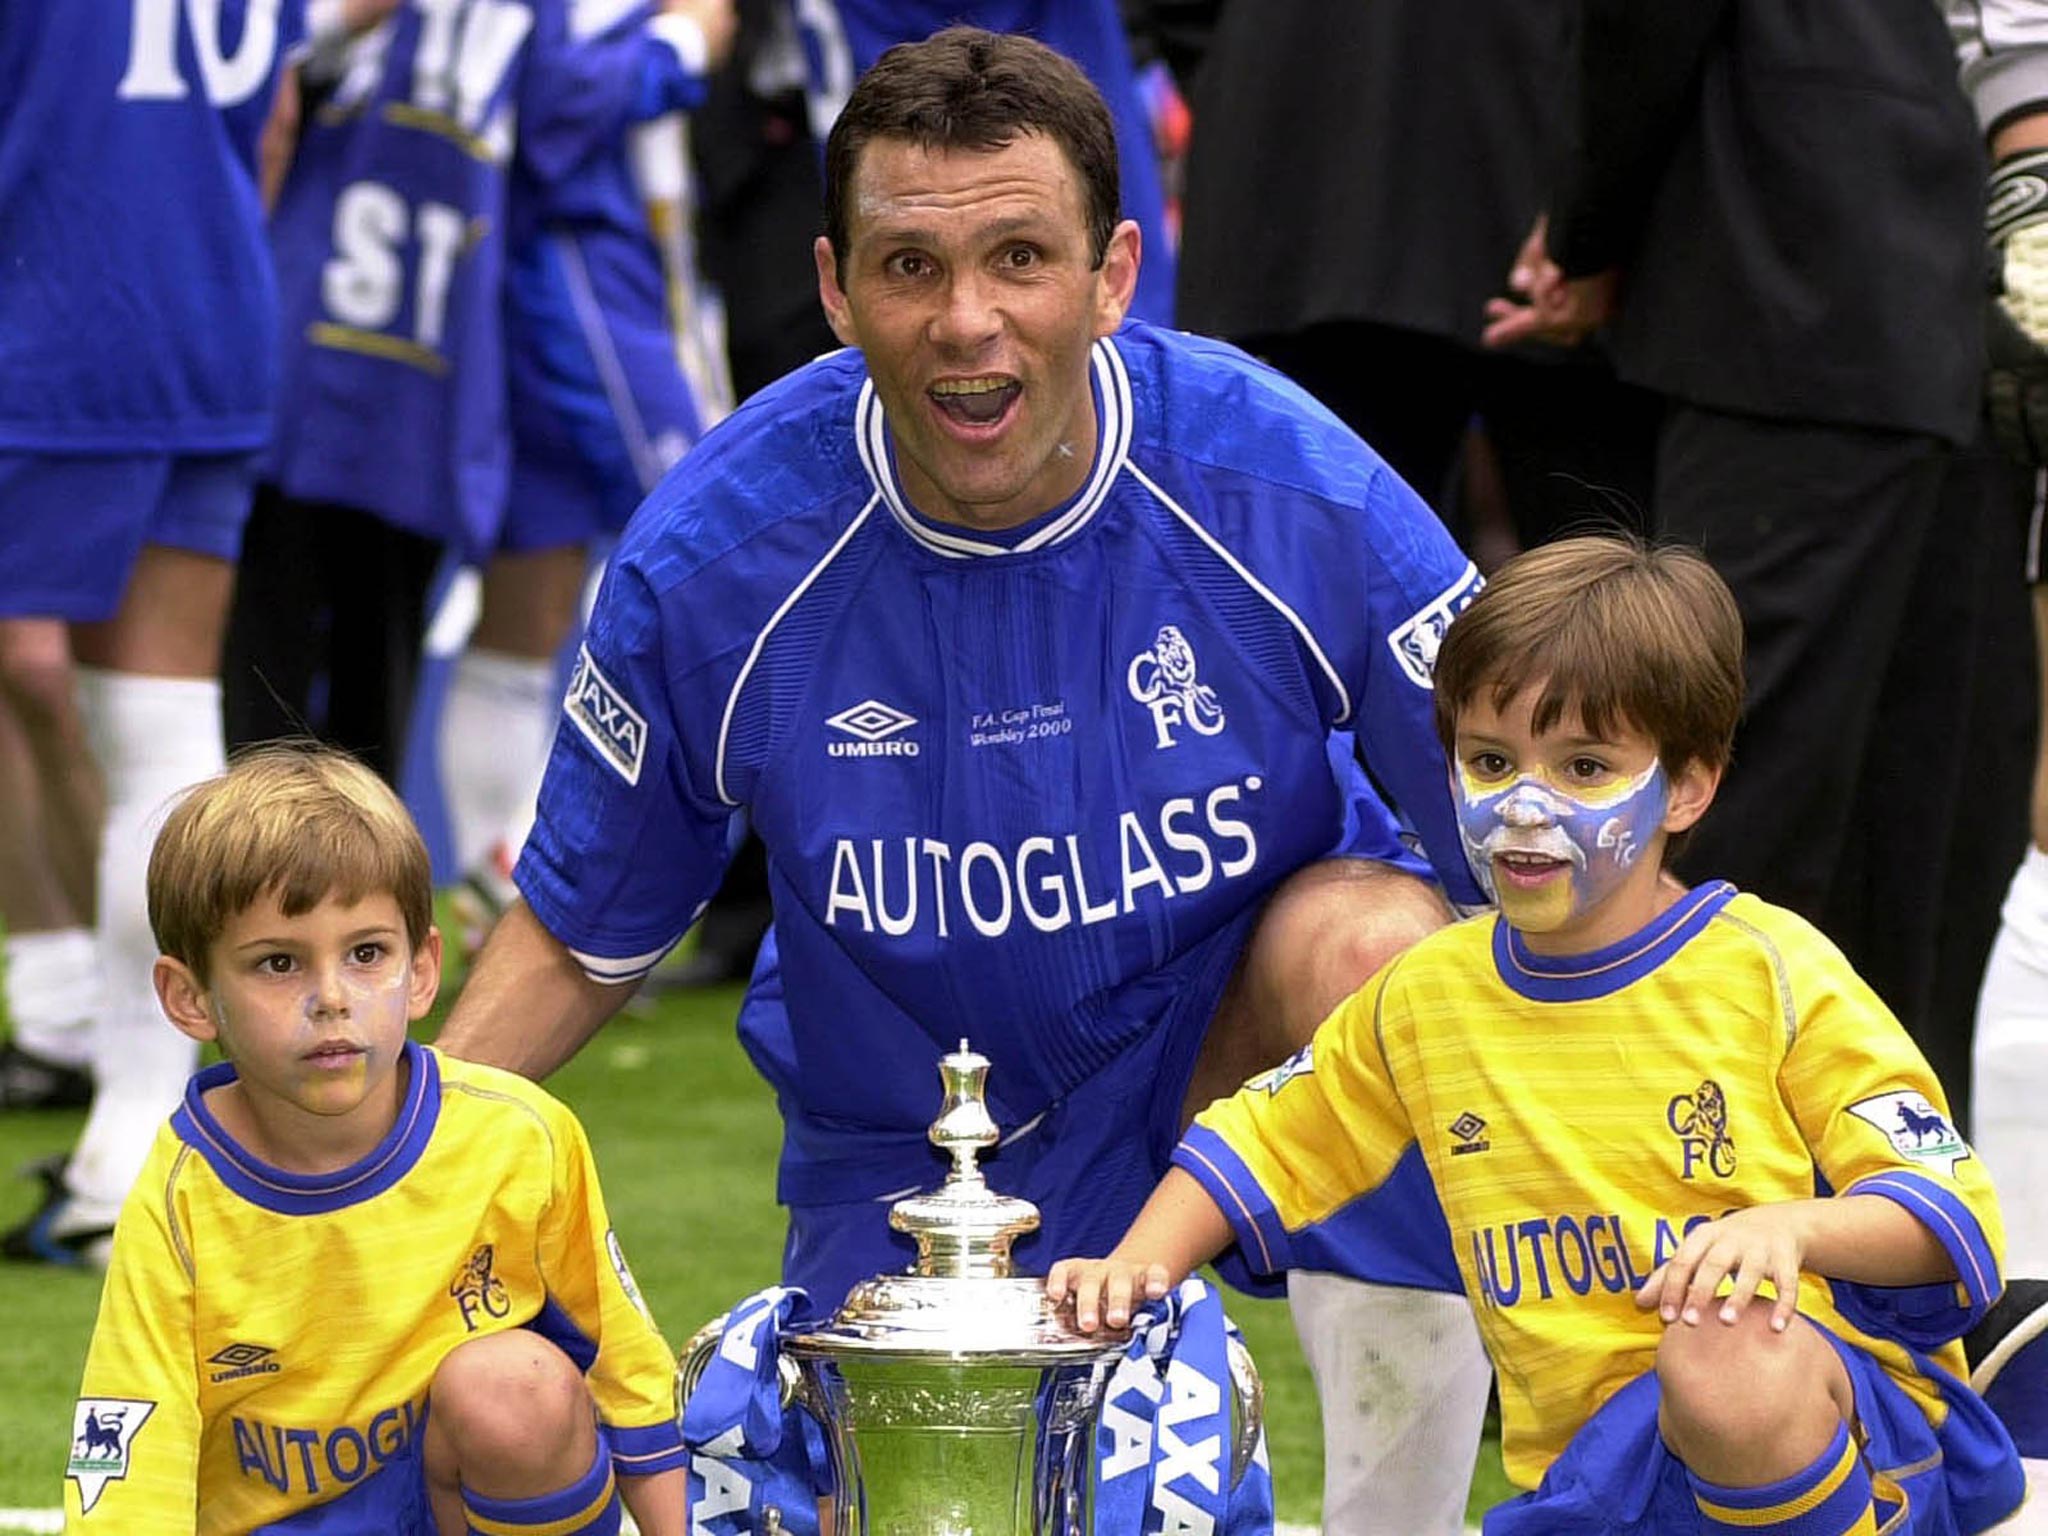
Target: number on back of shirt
<point>364,282</point>
<point>229,79</point>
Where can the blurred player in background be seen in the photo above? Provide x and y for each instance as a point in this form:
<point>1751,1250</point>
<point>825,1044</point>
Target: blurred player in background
<point>391,234</point>
<point>616,367</point>
<point>137,379</point>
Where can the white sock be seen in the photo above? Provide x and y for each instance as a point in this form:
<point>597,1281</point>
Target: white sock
<point>53,993</point>
<point>496,727</point>
<point>2009,1077</point>
<point>152,737</point>
<point>1403,1380</point>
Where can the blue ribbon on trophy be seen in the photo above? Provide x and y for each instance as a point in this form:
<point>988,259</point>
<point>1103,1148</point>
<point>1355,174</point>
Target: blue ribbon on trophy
<point>1164,1446</point>
<point>1166,1414</point>
<point>748,1454</point>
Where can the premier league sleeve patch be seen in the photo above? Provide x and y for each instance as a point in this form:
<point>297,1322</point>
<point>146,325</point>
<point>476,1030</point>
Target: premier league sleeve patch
<point>607,721</point>
<point>1415,641</point>
<point>1916,1129</point>
<point>103,1431</point>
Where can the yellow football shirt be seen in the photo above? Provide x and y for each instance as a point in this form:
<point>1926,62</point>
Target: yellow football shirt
<point>266,1340</point>
<point>1577,1116</point>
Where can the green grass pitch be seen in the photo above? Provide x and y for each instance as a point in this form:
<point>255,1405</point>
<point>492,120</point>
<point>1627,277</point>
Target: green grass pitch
<point>686,1138</point>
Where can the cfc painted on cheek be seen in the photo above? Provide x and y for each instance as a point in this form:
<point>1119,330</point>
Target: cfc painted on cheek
<point>1597,838</point>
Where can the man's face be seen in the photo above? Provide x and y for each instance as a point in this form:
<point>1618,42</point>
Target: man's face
<point>969,287</point>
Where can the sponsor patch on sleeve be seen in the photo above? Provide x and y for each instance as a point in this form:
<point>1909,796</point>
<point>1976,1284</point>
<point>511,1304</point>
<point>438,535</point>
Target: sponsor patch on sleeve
<point>607,721</point>
<point>1415,642</point>
<point>1275,1078</point>
<point>103,1431</point>
<point>1916,1129</point>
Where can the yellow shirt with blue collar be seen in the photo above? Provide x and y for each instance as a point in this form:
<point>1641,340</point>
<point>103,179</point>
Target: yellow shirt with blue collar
<point>266,1339</point>
<point>1578,1115</point>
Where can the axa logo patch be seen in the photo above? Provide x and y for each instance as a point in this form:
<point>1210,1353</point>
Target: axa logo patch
<point>1302,1061</point>
<point>103,1431</point>
<point>1700,1122</point>
<point>1916,1129</point>
<point>1164,680</point>
<point>873,729</point>
<point>477,1291</point>
<point>239,1360</point>
<point>607,721</point>
<point>1414,642</point>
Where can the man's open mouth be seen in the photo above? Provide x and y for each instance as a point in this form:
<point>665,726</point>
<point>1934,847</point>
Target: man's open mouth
<point>975,402</point>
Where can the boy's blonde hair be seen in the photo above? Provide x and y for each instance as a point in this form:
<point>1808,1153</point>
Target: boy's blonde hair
<point>1626,632</point>
<point>297,820</point>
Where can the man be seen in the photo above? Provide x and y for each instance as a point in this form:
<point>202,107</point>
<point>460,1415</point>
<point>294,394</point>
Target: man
<point>1020,637</point>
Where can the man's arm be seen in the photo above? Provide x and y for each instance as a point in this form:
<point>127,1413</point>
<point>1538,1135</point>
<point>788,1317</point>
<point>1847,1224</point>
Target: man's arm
<point>1636,71</point>
<point>527,1005</point>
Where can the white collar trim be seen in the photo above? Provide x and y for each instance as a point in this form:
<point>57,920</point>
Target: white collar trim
<point>1112,447</point>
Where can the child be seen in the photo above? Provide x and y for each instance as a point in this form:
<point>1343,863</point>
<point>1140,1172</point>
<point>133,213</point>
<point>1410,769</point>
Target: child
<point>360,1287</point>
<point>1704,1193</point>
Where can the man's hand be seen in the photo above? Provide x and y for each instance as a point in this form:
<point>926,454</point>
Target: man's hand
<point>1765,1242</point>
<point>1550,307</point>
<point>1107,1286</point>
<point>716,19</point>
<point>2016,225</point>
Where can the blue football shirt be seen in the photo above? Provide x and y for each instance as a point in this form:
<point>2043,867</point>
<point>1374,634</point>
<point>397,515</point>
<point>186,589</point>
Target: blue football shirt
<point>1019,787</point>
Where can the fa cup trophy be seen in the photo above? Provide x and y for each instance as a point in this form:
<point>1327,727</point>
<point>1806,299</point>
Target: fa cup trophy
<point>956,1399</point>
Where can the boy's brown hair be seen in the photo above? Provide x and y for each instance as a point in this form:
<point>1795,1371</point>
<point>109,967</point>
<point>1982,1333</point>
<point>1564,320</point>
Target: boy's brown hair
<point>299,821</point>
<point>1627,633</point>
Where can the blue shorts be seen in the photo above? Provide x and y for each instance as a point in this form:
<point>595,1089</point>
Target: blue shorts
<point>1088,1162</point>
<point>600,405</point>
<point>71,525</point>
<point>1616,1478</point>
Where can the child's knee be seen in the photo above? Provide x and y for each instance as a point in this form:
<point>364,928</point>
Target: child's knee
<point>511,1396</point>
<point>1744,1384</point>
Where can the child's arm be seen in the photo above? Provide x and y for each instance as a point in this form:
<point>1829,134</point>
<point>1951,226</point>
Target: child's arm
<point>632,1375</point>
<point>658,1504</point>
<point>134,1454</point>
<point>1867,1239</point>
<point>1179,1228</point>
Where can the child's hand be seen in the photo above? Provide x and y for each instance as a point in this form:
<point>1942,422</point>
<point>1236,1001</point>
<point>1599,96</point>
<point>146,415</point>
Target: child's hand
<point>1109,1283</point>
<point>1765,1242</point>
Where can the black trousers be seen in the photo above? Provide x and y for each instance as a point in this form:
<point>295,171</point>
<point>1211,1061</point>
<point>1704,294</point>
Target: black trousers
<point>1575,446</point>
<point>326,631</point>
<point>1879,785</point>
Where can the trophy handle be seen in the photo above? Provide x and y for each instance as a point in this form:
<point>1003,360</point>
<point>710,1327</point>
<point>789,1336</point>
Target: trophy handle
<point>696,1354</point>
<point>1248,1402</point>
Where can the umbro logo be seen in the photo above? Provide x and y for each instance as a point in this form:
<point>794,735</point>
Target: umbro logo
<point>875,728</point>
<point>239,1360</point>
<point>1468,1134</point>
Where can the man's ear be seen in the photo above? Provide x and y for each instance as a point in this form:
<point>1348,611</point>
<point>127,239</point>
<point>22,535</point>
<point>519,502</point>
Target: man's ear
<point>838,313</point>
<point>184,1000</point>
<point>1118,277</point>
<point>424,980</point>
<point>1693,788</point>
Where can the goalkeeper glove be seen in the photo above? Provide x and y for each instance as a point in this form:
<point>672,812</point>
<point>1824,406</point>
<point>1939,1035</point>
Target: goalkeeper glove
<point>2016,224</point>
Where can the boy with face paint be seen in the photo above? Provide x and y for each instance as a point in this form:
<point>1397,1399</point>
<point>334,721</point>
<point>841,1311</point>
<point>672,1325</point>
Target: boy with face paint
<point>1708,1205</point>
<point>360,1288</point>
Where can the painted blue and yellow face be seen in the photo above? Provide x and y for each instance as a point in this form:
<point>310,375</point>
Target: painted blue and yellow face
<point>1564,828</point>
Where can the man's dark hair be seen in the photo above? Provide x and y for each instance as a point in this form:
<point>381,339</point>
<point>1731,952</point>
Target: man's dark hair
<point>965,88</point>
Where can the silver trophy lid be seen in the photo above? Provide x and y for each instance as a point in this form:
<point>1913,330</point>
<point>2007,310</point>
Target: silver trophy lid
<point>962,1297</point>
